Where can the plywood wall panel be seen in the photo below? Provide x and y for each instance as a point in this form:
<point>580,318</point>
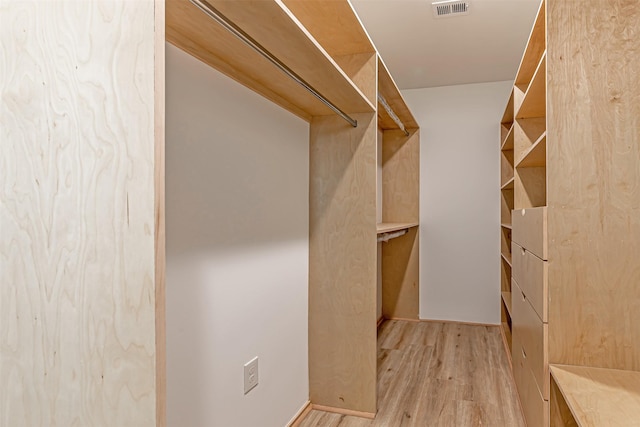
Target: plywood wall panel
<point>400,277</point>
<point>342,263</point>
<point>401,176</point>
<point>77,292</point>
<point>593,150</point>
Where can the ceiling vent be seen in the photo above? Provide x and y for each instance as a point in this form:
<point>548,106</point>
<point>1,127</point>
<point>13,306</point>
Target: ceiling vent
<point>442,9</point>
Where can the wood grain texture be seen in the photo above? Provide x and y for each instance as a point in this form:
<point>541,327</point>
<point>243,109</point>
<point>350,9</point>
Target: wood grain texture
<point>505,275</point>
<point>534,49</point>
<point>599,397</point>
<point>559,413</point>
<point>159,209</point>
<point>526,133</point>
<point>388,227</point>
<point>530,187</point>
<point>400,276</point>
<point>534,407</point>
<point>535,155</point>
<point>342,263</point>
<point>530,230</point>
<point>334,24</point>
<point>508,139</point>
<point>401,176</point>
<point>534,100</point>
<point>361,69</point>
<point>401,203</point>
<point>505,244</point>
<point>275,28</point>
<point>593,149</point>
<point>437,374</point>
<point>507,116</point>
<point>337,28</point>
<point>77,301</point>
<point>506,206</point>
<point>532,276</point>
<point>388,89</point>
<point>506,166</point>
<point>532,334</point>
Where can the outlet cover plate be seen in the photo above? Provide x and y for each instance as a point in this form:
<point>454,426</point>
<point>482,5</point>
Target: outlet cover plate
<point>250,375</point>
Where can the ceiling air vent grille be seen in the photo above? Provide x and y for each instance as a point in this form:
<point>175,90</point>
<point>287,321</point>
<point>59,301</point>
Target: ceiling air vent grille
<point>443,9</point>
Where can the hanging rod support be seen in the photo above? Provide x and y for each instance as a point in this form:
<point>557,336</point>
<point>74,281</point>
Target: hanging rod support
<point>392,114</point>
<point>215,14</point>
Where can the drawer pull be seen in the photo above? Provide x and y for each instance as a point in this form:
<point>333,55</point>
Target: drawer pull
<point>523,251</point>
<point>524,354</point>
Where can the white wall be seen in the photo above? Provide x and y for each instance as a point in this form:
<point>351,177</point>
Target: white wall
<point>237,251</point>
<point>459,201</point>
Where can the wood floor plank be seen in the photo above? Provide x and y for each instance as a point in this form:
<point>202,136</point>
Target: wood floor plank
<point>437,374</point>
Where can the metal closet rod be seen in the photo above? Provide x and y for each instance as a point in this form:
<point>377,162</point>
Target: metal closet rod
<point>392,114</point>
<point>215,14</point>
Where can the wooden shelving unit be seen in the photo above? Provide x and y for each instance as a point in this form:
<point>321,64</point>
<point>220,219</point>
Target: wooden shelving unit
<point>575,224</point>
<point>507,182</point>
<point>398,203</point>
<point>325,44</point>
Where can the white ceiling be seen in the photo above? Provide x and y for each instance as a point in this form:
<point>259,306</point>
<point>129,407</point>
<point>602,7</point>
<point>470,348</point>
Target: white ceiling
<point>423,51</point>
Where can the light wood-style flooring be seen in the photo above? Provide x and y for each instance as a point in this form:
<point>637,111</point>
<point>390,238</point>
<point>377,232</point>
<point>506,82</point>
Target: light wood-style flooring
<point>437,375</point>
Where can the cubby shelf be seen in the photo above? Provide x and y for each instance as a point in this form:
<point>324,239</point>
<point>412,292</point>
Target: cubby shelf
<point>507,142</point>
<point>534,50</point>
<point>536,155</point>
<point>507,257</point>
<point>506,329</point>
<point>535,98</point>
<point>508,185</point>
<point>505,225</point>
<point>506,298</point>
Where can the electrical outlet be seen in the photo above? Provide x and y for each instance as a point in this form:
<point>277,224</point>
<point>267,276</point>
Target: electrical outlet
<point>250,375</point>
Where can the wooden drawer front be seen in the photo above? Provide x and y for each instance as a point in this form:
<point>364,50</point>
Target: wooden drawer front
<point>532,334</point>
<point>530,230</point>
<point>534,407</point>
<point>531,274</point>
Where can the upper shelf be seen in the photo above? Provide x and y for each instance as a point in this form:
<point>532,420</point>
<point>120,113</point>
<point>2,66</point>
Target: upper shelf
<point>388,89</point>
<point>279,31</point>
<point>535,47</point>
<point>535,98</point>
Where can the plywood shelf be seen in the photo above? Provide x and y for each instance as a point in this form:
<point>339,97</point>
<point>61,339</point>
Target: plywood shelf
<point>598,396</point>
<point>506,297</point>
<point>507,117</point>
<point>534,50</point>
<point>507,142</point>
<point>508,185</point>
<point>281,33</point>
<point>388,89</point>
<point>534,103</point>
<point>536,155</point>
<point>505,225</point>
<point>506,330</point>
<point>507,257</point>
<point>388,227</point>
